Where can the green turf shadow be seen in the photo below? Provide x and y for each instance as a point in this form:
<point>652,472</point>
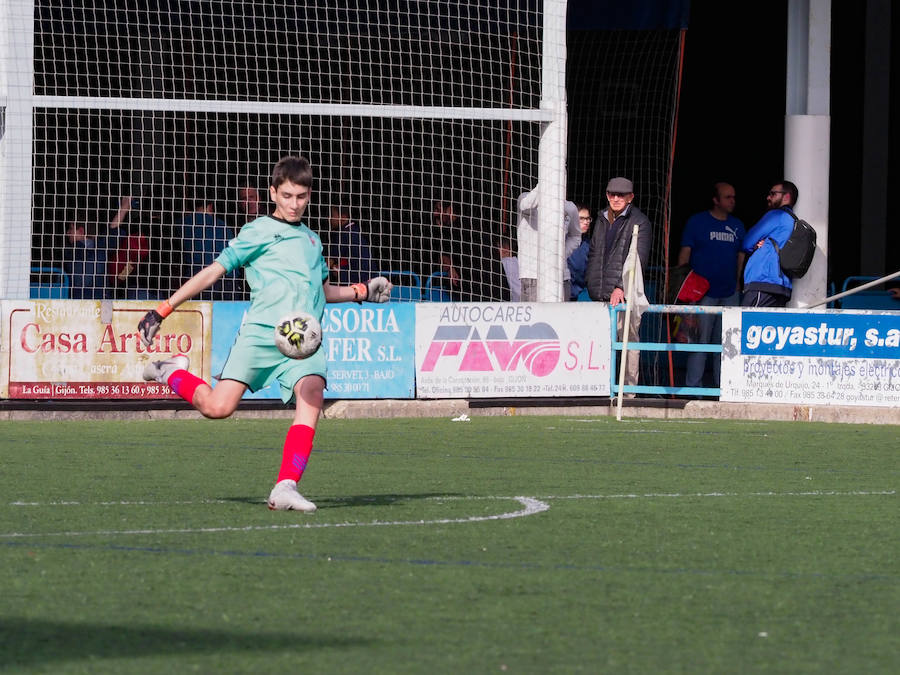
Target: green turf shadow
<point>28,642</point>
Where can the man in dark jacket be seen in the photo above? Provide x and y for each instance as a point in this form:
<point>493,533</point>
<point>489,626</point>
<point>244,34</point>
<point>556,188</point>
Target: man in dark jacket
<point>608,250</point>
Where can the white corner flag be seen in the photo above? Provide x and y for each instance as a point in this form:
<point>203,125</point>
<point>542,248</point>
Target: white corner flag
<point>635,291</point>
<point>635,304</point>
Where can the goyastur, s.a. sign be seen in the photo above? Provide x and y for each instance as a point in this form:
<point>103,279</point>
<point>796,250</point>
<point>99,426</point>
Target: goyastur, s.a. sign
<point>491,350</point>
<point>838,357</point>
<point>90,349</point>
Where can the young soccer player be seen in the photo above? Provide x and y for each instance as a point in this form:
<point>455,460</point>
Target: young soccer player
<point>286,271</point>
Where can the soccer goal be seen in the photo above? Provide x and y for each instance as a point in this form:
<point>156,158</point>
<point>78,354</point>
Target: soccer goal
<point>152,131</point>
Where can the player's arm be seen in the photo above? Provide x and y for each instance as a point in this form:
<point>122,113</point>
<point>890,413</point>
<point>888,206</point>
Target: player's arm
<point>197,283</point>
<point>148,327</point>
<point>375,290</point>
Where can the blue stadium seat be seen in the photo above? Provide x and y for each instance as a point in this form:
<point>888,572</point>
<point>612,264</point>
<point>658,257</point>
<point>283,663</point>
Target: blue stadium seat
<point>407,285</point>
<point>874,298</point>
<point>49,283</point>
<point>831,291</point>
<point>870,300</point>
<point>434,291</point>
<point>851,282</point>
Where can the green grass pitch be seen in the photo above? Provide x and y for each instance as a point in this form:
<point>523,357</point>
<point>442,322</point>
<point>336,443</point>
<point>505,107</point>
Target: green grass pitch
<point>513,544</point>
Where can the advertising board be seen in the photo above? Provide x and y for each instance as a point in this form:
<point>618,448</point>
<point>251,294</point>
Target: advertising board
<point>482,350</point>
<point>369,348</point>
<point>90,349</point>
<point>795,356</point>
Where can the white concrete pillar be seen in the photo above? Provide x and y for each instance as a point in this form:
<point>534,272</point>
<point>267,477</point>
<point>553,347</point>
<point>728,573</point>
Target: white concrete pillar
<point>552,155</point>
<point>807,130</point>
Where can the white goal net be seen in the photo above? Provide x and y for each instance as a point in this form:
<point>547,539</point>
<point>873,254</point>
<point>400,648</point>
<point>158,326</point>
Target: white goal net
<point>153,128</point>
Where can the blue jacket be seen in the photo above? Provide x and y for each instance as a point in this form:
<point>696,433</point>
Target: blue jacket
<point>577,267</point>
<point>349,250</point>
<point>85,262</point>
<point>763,271</point>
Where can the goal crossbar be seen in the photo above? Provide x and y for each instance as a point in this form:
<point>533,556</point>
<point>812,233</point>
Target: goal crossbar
<point>289,108</point>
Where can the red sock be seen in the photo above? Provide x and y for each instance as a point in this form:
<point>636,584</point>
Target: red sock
<point>185,384</point>
<point>297,447</point>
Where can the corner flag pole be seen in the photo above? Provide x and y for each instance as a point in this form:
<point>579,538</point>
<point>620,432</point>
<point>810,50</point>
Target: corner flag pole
<point>629,301</point>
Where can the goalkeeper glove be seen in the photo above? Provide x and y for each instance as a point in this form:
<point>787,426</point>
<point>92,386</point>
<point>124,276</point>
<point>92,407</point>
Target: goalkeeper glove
<point>149,326</point>
<point>379,290</point>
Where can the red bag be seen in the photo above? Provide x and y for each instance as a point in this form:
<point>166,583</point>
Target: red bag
<point>134,249</point>
<point>693,289</point>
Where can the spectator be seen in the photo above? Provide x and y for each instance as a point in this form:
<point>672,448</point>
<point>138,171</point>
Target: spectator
<point>84,258</point>
<point>347,249</point>
<point>765,283</point>
<point>492,271</point>
<point>248,204</point>
<point>203,237</point>
<point>450,247</point>
<point>529,243</point>
<point>510,264</point>
<point>607,253</point>
<point>129,252</point>
<point>711,246</point>
<point>577,260</point>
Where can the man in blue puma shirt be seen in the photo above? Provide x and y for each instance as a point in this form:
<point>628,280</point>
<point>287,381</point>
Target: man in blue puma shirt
<point>711,245</point>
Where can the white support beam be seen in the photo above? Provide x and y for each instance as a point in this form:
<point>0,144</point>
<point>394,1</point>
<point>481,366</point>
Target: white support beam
<point>807,130</point>
<point>552,155</point>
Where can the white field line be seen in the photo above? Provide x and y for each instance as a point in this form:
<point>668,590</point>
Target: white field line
<point>691,495</point>
<point>531,507</point>
<point>125,503</point>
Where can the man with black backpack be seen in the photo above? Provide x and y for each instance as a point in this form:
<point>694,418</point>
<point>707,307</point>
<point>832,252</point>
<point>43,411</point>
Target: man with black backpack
<point>766,284</point>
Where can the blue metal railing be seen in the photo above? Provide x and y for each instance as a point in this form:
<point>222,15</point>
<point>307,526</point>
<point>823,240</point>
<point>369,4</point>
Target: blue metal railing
<point>661,347</point>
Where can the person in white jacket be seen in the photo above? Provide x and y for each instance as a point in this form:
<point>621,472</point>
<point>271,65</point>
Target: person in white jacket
<point>529,243</point>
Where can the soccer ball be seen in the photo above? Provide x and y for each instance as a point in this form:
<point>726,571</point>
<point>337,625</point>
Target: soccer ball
<point>298,335</point>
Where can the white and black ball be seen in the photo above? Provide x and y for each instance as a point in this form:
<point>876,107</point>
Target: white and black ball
<point>298,335</point>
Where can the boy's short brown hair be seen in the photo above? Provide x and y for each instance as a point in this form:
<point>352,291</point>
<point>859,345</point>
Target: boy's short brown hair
<point>297,170</point>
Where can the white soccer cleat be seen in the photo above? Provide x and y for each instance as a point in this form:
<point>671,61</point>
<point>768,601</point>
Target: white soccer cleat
<point>160,371</point>
<point>284,497</point>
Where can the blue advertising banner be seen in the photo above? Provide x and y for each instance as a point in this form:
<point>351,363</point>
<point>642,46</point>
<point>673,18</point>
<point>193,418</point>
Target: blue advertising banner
<point>835,335</point>
<point>369,348</point>
<point>831,357</point>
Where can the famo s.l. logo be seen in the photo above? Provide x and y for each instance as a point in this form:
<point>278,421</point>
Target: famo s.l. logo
<point>534,347</point>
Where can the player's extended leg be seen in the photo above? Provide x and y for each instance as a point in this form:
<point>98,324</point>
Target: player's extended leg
<point>215,403</point>
<point>309,394</point>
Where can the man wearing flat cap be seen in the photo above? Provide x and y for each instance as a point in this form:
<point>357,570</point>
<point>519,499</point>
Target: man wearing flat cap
<point>608,250</point>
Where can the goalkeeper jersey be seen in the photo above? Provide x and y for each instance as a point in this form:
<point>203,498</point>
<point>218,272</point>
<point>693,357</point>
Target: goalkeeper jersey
<point>283,265</point>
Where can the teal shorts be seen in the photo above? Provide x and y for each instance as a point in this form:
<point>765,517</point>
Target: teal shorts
<point>255,360</point>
